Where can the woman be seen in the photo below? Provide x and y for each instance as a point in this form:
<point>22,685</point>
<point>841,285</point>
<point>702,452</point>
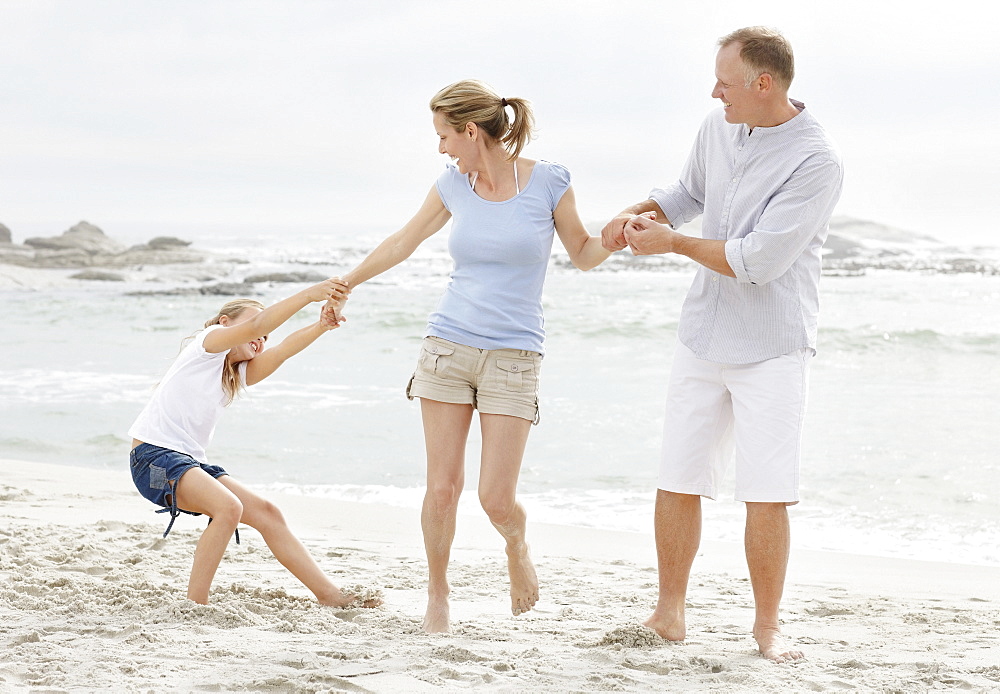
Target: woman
<point>483,345</point>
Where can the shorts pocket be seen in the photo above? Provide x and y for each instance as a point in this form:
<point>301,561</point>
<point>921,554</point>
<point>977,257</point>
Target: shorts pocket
<point>434,357</point>
<point>517,375</point>
<point>157,477</point>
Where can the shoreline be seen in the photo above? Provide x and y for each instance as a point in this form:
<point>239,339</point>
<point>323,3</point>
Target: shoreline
<point>92,598</point>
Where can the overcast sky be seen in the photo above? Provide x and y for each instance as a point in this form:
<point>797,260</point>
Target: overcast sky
<point>131,113</point>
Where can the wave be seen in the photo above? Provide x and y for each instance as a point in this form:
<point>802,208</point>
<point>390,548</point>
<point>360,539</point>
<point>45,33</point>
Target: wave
<point>890,535</point>
<point>875,340</point>
<point>55,386</point>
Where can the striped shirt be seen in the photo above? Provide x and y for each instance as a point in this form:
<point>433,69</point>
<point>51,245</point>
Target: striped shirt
<point>769,194</point>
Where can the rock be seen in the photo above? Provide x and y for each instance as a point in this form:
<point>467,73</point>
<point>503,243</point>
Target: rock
<point>5,236</point>
<point>98,275</point>
<point>85,245</point>
<point>162,243</point>
<point>167,243</point>
<point>219,289</point>
<point>83,236</point>
<point>286,277</point>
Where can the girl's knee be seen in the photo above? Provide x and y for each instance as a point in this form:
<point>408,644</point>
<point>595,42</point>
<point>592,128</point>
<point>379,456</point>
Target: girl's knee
<point>229,512</point>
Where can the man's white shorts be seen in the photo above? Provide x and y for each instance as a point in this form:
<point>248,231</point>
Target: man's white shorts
<point>755,409</point>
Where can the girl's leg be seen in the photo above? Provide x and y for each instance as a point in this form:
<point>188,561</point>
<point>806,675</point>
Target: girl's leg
<point>199,492</point>
<point>504,440</point>
<point>266,518</point>
<point>446,430</point>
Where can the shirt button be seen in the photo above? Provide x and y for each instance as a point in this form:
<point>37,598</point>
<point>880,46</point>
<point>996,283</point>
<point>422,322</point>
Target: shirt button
<point>734,180</point>
<point>715,279</point>
<point>513,367</point>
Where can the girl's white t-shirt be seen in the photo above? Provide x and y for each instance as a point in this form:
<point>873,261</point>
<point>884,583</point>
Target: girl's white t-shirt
<point>188,402</point>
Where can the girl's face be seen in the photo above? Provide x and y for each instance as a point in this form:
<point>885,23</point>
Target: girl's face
<point>248,350</point>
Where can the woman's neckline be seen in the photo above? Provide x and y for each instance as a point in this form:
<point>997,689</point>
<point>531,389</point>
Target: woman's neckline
<point>472,185</point>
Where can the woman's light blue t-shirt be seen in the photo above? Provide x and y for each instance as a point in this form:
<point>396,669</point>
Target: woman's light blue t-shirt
<point>501,251</point>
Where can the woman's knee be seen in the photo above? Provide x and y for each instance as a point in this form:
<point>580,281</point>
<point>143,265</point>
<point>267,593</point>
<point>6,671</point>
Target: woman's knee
<point>444,494</point>
<point>498,506</point>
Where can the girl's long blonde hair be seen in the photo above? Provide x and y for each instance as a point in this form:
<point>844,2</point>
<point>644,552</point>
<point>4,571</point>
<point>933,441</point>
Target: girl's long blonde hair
<point>472,101</point>
<point>231,383</point>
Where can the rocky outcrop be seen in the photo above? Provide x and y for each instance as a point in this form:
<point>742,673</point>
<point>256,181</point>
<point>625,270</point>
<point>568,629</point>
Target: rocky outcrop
<point>85,245</point>
<point>98,276</point>
<point>5,236</point>
<point>286,277</point>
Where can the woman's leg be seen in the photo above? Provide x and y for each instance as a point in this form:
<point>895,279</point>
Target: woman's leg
<point>266,518</point>
<point>446,430</point>
<point>504,440</point>
<point>199,492</point>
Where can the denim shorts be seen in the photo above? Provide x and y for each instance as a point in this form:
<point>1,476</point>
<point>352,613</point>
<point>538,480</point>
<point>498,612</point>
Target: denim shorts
<point>156,471</point>
<point>494,381</point>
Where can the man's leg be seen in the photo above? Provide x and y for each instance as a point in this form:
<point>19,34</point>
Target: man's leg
<point>678,534</point>
<point>767,540</point>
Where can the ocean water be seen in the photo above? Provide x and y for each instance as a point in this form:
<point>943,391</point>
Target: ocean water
<point>902,445</point>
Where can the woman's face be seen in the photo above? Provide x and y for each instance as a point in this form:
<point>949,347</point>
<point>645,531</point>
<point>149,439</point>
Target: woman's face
<point>460,145</point>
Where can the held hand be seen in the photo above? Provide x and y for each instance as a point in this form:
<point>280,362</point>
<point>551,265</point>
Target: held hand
<point>613,233</point>
<point>331,289</point>
<point>330,315</point>
<point>647,237</point>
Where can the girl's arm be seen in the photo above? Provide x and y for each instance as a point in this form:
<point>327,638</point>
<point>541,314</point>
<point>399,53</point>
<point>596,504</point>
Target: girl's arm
<point>268,361</point>
<point>585,251</point>
<point>271,317</point>
<point>428,220</point>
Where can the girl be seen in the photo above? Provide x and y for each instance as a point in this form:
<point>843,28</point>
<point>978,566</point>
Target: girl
<point>483,346</point>
<point>168,460</point>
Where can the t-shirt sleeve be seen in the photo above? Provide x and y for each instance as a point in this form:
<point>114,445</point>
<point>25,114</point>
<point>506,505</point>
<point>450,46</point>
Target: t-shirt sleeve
<point>557,182</point>
<point>446,185</point>
<point>198,344</point>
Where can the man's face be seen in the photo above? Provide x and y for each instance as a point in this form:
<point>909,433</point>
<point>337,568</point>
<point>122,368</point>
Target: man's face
<point>739,101</point>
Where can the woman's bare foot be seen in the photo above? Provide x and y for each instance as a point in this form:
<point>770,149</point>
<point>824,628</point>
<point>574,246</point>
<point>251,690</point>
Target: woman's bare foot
<point>523,581</point>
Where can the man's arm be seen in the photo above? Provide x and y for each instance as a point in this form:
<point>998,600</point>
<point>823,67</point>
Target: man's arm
<point>646,237</point>
<point>613,233</point>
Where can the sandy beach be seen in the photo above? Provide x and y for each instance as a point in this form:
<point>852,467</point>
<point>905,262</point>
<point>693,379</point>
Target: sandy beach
<point>92,598</point>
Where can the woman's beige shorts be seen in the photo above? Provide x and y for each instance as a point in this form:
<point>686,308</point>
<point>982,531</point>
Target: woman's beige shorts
<point>494,381</point>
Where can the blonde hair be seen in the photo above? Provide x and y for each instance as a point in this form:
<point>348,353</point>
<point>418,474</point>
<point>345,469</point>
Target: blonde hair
<point>763,50</point>
<point>472,101</point>
<point>231,383</point>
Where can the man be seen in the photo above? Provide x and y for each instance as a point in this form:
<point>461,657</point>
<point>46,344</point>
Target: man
<point>766,178</point>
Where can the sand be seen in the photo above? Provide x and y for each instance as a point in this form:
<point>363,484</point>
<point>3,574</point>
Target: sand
<point>92,598</point>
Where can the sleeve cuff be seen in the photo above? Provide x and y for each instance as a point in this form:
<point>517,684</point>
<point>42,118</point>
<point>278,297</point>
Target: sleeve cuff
<point>734,256</point>
<point>674,217</point>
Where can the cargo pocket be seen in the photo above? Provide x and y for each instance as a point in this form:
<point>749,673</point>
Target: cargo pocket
<point>434,357</point>
<point>516,375</point>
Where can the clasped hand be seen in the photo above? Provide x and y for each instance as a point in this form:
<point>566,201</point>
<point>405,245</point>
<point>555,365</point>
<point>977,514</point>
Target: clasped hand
<point>641,233</point>
<point>331,315</point>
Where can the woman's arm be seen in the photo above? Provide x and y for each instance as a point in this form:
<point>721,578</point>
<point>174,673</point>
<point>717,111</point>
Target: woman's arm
<point>428,220</point>
<point>271,317</point>
<point>585,251</point>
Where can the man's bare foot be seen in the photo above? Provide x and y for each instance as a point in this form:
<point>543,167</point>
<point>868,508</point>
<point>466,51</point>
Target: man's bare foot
<point>351,597</point>
<point>668,624</point>
<point>437,619</point>
<point>772,646</point>
<point>523,581</point>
